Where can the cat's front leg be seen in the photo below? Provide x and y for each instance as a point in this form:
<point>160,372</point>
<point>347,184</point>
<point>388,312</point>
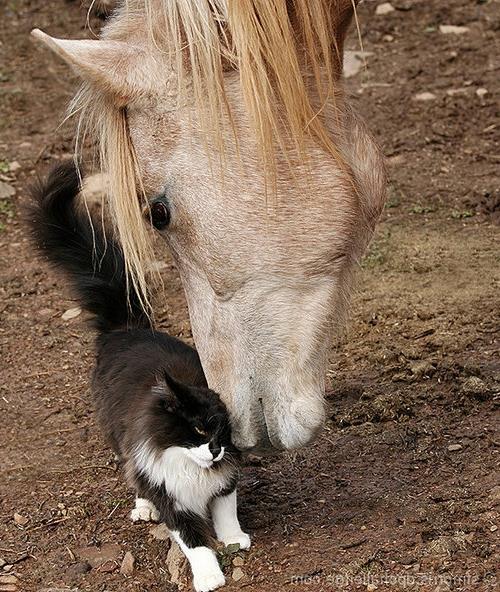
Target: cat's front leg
<point>144,510</point>
<point>193,540</point>
<point>225,518</point>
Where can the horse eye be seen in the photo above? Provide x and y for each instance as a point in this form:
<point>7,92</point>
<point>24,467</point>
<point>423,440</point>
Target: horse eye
<point>160,214</point>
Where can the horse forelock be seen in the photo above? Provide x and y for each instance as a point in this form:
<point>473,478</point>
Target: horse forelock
<point>287,55</point>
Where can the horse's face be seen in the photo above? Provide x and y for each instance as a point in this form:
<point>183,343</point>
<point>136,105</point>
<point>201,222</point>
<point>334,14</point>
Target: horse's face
<point>266,272</point>
<point>262,276</point>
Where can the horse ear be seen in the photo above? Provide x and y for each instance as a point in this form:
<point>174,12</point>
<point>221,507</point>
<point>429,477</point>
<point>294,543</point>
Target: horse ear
<point>117,68</point>
<point>345,10</point>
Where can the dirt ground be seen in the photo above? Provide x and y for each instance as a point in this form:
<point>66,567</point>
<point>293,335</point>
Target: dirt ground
<point>402,489</point>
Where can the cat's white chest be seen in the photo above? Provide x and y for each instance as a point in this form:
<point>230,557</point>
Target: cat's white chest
<point>190,485</point>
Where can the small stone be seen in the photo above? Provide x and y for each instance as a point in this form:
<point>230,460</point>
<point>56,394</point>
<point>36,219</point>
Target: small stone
<point>422,368</point>
<point>2,562</point>
<point>77,569</point>
<point>455,447</point>
<point>177,566</point>
<point>354,62</point>
<point>238,573</point>
<point>424,96</point>
<point>474,386</point>
<point>238,562</point>
<point>495,493</point>
<point>104,558</point>
<point>11,579</point>
<point>7,567</point>
<point>452,29</point>
<point>493,528</point>
<point>71,313</point>
<point>20,520</point>
<point>451,92</point>
<point>371,588</point>
<point>481,92</point>
<point>160,532</point>
<point>127,566</point>
<point>384,8</point>
<point>388,38</point>
<point>14,166</point>
<point>6,190</point>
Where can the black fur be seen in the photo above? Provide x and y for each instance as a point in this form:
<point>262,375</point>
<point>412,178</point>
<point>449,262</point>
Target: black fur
<point>146,384</point>
<point>94,265</point>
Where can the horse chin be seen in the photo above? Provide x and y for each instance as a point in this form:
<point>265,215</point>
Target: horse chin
<point>286,426</point>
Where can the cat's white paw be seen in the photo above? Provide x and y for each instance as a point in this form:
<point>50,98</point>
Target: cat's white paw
<point>210,580</point>
<point>145,511</point>
<point>144,515</point>
<point>242,538</point>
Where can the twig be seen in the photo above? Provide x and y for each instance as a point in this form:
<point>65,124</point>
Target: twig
<point>113,511</point>
<point>50,523</point>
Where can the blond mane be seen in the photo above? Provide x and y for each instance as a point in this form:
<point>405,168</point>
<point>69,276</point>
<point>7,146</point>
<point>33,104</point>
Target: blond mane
<point>288,56</point>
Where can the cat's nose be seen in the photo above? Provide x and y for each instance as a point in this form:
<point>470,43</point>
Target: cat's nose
<point>217,451</point>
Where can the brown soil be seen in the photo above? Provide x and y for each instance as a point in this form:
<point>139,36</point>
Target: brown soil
<point>403,485</point>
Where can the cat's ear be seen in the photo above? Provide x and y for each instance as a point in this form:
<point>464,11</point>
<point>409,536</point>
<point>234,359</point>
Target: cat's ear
<point>166,391</point>
<point>178,390</point>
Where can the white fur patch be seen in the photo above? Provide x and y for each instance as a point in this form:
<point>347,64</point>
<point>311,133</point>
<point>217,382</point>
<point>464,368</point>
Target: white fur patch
<point>190,483</point>
<point>226,525</point>
<point>144,510</point>
<point>207,575</point>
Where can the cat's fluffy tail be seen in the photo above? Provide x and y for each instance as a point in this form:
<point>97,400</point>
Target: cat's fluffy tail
<point>93,262</point>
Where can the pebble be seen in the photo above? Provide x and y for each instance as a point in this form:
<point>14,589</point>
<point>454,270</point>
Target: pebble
<point>474,386</point>
<point>20,520</point>
<point>422,368</point>
<point>452,29</point>
<point>160,532</point>
<point>481,92</point>
<point>384,8</point>
<point>424,96</point>
<point>495,493</point>
<point>14,166</point>
<point>371,588</point>
<point>493,528</point>
<point>6,190</point>
<point>238,562</point>
<point>177,566</point>
<point>238,573</point>
<point>354,62</point>
<point>77,569</point>
<point>8,583</point>
<point>455,447</point>
<point>127,566</point>
<point>102,558</point>
<point>71,313</point>
<point>2,562</point>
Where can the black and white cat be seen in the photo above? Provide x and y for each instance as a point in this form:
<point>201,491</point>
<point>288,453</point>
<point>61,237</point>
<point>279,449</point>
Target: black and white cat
<point>170,430</point>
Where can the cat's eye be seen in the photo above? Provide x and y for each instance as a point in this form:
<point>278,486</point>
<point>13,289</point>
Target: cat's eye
<point>200,431</point>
